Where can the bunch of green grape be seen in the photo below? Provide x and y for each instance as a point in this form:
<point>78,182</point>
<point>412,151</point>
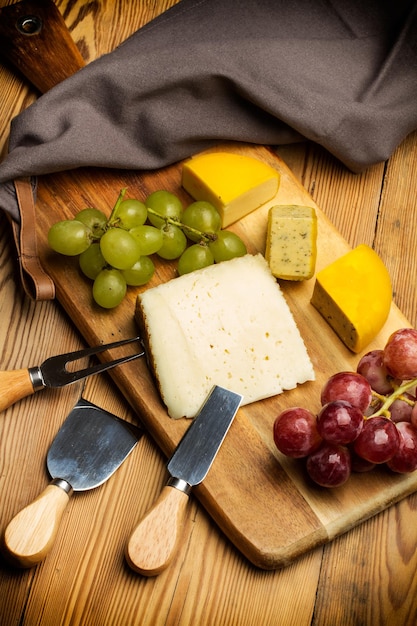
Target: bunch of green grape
<point>114,252</point>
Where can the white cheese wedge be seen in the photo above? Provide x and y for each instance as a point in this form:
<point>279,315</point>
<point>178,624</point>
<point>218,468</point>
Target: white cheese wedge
<point>235,184</point>
<point>291,241</point>
<point>227,324</point>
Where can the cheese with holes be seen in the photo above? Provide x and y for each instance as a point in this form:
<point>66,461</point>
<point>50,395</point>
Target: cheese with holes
<point>291,242</point>
<point>354,295</point>
<point>227,324</point>
<point>235,184</point>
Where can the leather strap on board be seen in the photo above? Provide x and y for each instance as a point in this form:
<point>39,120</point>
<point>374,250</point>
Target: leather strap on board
<point>36,282</point>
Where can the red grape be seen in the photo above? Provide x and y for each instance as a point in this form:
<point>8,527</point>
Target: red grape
<point>400,354</point>
<point>339,422</point>
<point>413,417</point>
<point>375,406</point>
<point>372,367</point>
<point>330,465</point>
<point>401,410</point>
<point>349,386</point>
<point>360,465</point>
<point>378,441</point>
<point>295,432</point>
<point>405,459</point>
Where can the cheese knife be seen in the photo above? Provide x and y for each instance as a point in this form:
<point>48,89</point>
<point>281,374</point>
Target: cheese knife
<point>152,544</point>
<point>54,372</point>
<point>89,447</point>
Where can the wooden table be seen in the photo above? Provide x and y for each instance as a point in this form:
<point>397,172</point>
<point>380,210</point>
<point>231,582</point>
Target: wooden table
<point>366,577</point>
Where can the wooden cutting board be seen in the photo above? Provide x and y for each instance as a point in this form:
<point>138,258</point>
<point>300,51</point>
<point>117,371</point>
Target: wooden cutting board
<point>261,500</point>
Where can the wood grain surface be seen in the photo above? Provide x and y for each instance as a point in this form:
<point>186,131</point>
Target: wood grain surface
<point>367,576</point>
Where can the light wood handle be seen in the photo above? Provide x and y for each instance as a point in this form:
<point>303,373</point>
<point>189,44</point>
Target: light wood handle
<point>14,385</point>
<point>152,544</point>
<point>31,533</point>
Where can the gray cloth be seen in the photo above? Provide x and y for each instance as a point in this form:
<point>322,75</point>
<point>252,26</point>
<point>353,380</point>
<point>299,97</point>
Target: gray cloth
<point>336,72</point>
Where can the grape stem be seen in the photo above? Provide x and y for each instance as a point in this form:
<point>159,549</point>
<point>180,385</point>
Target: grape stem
<point>113,215</point>
<point>205,237</point>
<point>397,394</point>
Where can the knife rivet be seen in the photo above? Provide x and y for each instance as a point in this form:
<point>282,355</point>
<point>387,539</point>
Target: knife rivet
<point>29,25</point>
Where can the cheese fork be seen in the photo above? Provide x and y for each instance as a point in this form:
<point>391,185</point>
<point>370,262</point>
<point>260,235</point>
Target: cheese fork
<point>17,384</point>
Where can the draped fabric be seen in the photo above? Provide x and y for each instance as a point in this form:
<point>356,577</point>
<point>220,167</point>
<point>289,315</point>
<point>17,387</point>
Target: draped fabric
<point>341,74</point>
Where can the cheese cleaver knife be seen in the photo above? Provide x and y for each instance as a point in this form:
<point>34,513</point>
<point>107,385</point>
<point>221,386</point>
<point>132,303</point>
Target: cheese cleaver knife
<point>89,447</point>
<point>152,544</point>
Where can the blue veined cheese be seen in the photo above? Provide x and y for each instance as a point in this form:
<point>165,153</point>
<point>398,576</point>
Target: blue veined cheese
<point>227,324</point>
<point>291,242</point>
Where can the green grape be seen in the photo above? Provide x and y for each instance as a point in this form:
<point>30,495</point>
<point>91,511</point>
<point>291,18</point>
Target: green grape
<point>69,237</point>
<point>174,242</point>
<point>131,213</point>
<point>140,273</point>
<point>149,238</point>
<point>201,216</point>
<point>195,257</point>
<point>227,246</point>
<point>119,248</point>
<point>92,261</point>
<point>109,288</point>
<point>94,219</point>
<point>166,204</point>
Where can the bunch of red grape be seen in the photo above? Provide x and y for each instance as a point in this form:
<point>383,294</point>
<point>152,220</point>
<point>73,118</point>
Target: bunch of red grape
<point>367,417</point>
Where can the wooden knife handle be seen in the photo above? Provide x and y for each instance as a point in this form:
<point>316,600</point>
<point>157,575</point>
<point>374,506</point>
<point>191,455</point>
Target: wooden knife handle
<point>152,544</point>
<point>36,40</point>
<point>31,533</point>
<point>14,385</point>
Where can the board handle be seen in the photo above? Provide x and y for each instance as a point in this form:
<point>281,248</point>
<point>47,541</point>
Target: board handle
<point>14,385</point>
<point>152,544</point>
<point>30,535</point>
<point>36,40</point>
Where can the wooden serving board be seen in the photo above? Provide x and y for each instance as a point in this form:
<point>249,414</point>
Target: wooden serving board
<point>262,501</point>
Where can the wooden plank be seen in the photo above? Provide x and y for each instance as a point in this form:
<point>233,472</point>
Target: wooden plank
<point>376,207</point>
<point>236,506</point>
<point>396,230</point>
<point>373,565</point>
<point>350,201</point>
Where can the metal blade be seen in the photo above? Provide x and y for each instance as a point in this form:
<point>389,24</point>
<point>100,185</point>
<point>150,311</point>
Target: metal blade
<point>90,446</point>
<point>54,371</point>
<point>198,448</point>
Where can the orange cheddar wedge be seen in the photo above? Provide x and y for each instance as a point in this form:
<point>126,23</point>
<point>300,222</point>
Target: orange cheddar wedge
<point>235,184</point>
<point>354,296</point>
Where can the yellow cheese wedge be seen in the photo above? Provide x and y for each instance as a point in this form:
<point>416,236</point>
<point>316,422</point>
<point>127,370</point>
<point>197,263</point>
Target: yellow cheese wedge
<point>354,295</point>
<point>291,242</point>
<point>235,184</point>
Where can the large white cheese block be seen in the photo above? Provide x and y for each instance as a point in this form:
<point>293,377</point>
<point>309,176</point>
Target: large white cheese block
<point>227,324</point>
